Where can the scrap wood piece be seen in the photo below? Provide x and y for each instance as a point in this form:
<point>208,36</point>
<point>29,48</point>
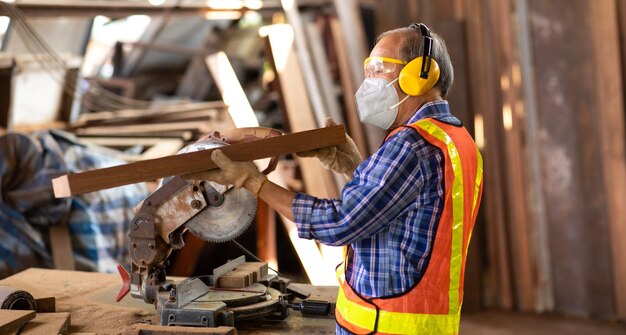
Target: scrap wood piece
<point>48,323</point>
<point>11,320</point>
<point>94,180</point>
<point>45,304</point>
<point>144,329</point>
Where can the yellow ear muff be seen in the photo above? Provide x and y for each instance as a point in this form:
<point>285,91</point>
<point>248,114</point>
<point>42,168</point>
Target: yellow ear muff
<point>410,81</point>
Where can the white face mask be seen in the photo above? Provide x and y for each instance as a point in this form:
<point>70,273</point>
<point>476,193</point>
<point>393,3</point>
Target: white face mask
<point>377,102</point>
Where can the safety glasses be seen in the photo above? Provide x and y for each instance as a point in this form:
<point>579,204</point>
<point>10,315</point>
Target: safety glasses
<point>376,66</point>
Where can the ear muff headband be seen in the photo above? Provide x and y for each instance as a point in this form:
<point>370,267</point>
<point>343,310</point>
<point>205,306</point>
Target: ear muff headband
<point>422,73</point>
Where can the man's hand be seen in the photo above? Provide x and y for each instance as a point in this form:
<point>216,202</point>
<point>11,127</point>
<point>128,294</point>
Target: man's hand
<point>239,174</point>
<point>342,158</point>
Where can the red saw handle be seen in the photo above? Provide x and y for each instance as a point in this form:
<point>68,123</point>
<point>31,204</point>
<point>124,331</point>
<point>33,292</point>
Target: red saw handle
<point>125,283</point>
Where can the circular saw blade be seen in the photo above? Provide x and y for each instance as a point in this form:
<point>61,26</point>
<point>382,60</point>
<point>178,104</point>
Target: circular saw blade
<point>230,219</point>
<point>227,221</point>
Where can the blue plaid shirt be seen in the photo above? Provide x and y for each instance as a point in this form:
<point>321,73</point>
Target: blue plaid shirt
<point>388,213</point>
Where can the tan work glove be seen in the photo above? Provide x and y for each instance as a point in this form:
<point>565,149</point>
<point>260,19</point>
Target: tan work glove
<point>343,158</point>
<point>238,174</point>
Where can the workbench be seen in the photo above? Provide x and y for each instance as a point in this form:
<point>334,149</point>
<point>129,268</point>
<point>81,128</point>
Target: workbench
<point>90,299</point>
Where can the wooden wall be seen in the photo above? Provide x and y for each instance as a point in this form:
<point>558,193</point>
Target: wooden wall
<point>540,84</point>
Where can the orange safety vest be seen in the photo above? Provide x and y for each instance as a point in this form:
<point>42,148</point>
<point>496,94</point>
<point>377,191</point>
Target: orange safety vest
<point>433,306</point>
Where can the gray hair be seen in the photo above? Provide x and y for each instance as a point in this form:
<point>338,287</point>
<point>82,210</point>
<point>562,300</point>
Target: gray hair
<point>411,48</point>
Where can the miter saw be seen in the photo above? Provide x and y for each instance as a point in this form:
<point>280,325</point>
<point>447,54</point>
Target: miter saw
<point>214,213</point>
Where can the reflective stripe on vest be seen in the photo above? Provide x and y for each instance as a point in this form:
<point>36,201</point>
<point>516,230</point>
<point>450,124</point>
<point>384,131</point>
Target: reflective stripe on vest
<point>359,315</point>
<point>457,213</point>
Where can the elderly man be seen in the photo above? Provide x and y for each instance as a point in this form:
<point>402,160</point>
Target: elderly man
<point>407,213</point>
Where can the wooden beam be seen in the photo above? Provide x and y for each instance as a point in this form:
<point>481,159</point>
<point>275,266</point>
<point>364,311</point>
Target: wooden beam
<point>7,67</point>
<point>152,169</point>
<point>574,115</point>
<point>315,96</point>
<point>483,85</point>
<point>609,85</point>
<point>266,234</point>
<point>355,127</point>
<point>353,36</point>
<point>317,180</point>
<point>48,323</point>
<point>11,320</point>
<point>234,97</point>
<point>536,201</point>
<point>145,329</point>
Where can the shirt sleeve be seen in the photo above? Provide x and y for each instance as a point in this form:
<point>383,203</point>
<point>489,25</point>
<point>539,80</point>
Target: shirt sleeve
<point>382,188</point>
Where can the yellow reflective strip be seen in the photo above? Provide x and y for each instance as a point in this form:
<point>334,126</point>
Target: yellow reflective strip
<point>384,59</point>
<point>479,179</point>
<point>457,213</point>
<point>407,323</point>
<point>358,315</point>
<point>394,322</point>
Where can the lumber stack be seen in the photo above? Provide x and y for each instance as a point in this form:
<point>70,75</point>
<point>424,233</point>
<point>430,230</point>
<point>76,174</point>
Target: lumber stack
<point>187,122</point>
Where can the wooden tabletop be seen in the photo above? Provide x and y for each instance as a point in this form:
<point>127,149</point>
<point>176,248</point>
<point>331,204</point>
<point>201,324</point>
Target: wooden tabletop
<point>90,299</point>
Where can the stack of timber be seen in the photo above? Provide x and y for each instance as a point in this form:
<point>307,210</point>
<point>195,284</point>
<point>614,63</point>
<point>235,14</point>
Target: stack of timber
<point>187,122</point>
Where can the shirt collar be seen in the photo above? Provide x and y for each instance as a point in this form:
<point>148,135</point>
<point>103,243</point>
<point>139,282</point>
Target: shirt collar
<point>435,109</point>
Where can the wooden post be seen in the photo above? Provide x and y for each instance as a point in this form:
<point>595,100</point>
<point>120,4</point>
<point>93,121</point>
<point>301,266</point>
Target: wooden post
<point>6,85</point>
<point>356,51</point>
<point>266,234</point>
<point>355,127</point>
<point>317,180</point>
<point>609,88</point>
<point>572,116</point>
<point>301,47</point>
<point>535,197</point>
<point>484,85</point>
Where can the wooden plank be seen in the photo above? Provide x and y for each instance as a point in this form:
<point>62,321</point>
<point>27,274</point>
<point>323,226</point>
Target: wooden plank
<point>574,185</point>
<point>315,95</point>
<point>198,126</point>
<point>11,320</point>
<point>48,324</point>
<point>144,329</point>
<point>518,221</point>
<point>179,116</point>
<point>259,269</point>
<point>61,246</point>
<point>483,84</point>
<point>537,205</point>
<point>356,51</point>
<point>266,234</point>
<point>235,279</point>
<point>7,67</point>
<point>609,86</point>
<point>152,169</point>
<point>232,93</point>
<point>355,128</point>
<point>322,70</point>
<point>317,180</point>
<point>45,304</point>
<point>155,110</point>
